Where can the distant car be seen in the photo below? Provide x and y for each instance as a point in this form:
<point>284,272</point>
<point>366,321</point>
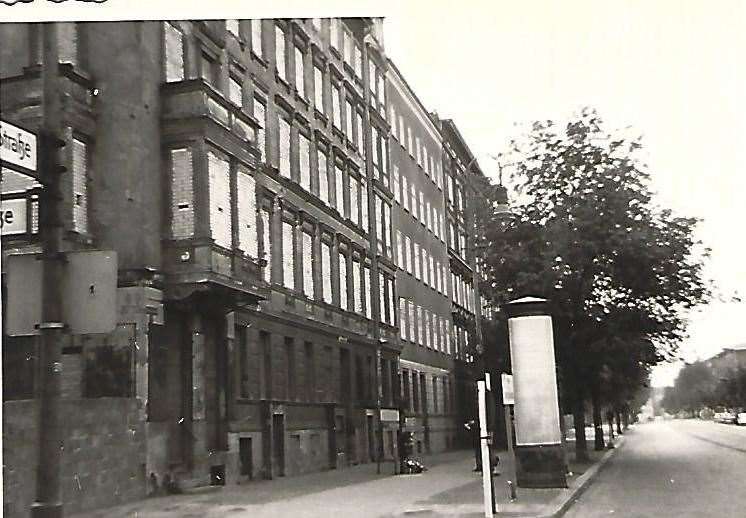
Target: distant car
<point>725,417</point>
<point>741,419</point>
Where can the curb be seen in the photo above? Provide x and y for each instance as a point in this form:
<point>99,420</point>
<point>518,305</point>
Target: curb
<point>563,502</point>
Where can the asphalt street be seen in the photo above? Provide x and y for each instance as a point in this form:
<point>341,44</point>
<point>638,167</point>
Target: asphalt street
<point>676,468</point>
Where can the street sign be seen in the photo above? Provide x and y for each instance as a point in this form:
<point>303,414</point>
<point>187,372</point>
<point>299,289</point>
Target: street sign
<point>13,216</point>
<point>389,414</point>
<point>18,148</point>
<point>508,392</point>
<point>89,287</point>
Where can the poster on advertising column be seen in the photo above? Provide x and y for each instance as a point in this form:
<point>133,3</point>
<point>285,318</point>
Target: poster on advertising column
<point>534,381</point>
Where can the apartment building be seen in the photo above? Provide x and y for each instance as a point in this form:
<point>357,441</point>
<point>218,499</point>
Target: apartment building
<point>277,197</point>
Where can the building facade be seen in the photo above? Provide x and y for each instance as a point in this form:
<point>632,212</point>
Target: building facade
<point>277,199</point>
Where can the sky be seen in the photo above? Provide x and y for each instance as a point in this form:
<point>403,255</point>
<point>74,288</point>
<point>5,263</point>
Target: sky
<point>673,71</point>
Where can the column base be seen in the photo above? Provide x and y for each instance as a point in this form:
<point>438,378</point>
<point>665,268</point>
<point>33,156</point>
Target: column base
<point>540,466</point>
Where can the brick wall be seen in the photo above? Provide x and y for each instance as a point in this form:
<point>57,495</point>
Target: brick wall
<point>103,459</point>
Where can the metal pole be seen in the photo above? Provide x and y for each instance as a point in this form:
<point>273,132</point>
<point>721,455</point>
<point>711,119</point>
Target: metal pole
<point>511,455</point>
<point>48,502</point>
<point>486,468</point>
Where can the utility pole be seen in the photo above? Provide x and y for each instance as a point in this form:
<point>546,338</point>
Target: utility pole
<point>48,502</point>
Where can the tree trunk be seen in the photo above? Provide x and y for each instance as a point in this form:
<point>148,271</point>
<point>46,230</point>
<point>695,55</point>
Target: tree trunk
<point>578,414</point>
<point>598,425</point>
<point>619,422</point>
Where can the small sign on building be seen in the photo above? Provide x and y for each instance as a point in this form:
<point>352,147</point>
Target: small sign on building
<point>508,391</point>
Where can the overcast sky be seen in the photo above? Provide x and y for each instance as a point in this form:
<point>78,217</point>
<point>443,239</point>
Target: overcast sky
<point>673,70</point>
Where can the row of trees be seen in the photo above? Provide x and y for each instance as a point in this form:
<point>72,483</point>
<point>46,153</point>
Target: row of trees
<point>619,272</point>
<point>698,386</point>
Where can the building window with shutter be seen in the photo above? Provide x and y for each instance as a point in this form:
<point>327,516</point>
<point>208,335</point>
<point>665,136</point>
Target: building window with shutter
<point>343,281</point>
<point>308,283</point>
<point>260,114</point>
<point>246,206</point>
<point>256,37</point>
<point>326,271</point>
<point>368,288</point>
<point>280,53</point>
<point>300,81</point>
<point>318,88</point>
<point>288,255</point>
<point>173,44</point>
<point>235,91</point>
<point>357,293</point>
<point>182,194</point>
<point>304,156</point>
<point>265,217</point>
<point>284,147</point>
<point>323,177</point>
<point>220,199</point>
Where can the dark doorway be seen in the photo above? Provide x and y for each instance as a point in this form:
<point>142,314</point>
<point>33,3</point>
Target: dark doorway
<point>371,438</point>
<point>278,444</point>
<point>245,456</point>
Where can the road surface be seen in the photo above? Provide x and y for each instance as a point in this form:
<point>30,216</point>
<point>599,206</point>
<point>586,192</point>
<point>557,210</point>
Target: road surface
<point>676,468</point>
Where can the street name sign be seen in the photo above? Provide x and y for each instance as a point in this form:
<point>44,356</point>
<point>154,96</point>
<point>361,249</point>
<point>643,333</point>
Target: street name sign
<point>13,216</point>
<point>18,148</point>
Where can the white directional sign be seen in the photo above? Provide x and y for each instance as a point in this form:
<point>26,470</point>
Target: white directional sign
<point>13,216</point>
<point>18,147</point>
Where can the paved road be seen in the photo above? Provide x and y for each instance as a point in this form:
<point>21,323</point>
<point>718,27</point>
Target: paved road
<point>679,468</point>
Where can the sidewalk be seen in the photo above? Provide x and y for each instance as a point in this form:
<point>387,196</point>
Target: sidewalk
<point>448,488</point>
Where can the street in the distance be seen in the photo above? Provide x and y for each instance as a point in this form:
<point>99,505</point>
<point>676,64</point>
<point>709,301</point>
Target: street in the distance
<point>684,468</point>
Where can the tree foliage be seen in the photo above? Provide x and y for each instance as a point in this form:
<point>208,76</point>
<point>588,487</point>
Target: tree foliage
<point>620,273</point>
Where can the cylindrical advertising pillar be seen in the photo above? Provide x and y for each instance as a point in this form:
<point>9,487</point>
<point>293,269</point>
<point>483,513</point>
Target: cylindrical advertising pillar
<point>538,440</point>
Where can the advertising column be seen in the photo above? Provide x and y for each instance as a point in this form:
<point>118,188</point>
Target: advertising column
<point>538,446</point>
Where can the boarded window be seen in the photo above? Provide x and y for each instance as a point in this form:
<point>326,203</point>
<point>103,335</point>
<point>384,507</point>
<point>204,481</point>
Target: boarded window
<point>174,49</point>
<point>182,195</point>
<point>220,200</point>
<point>247,235</point>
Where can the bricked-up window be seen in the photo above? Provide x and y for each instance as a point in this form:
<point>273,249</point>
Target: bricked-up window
<point>266,243</point>
<point>304,156</point>
<point>235,91</point>
<point>402,318</point>
<point>354,195</point>
<point>339,182</point>
<point>343,281</point>
<point>182,194</point>
<point>360,136</point>
<point>284,147</point>
<point>220,199</point>
<point>399,250</point>
<point>368,288</point>
<point>260,114</point>
<point>280,52</point>
<point>350,120</point>
<point>337,106</point>
<point>358,61</point>
<point>80,185</point>
<point>407,254</point>
<point>109,365</point>
<point>300,81</point>
<point>334,26</point>
<point>308,283</point>
<point>364,204</point>
<point>256,37</point>
<point>288,255</point>
<point>383,317</point>
<point>67,35</point>
<point>357,293</point>
<point>233,27</point>
<point>323,177</point>
<point>246,206</point>
<point>326,271</point>
<point>318,88</point>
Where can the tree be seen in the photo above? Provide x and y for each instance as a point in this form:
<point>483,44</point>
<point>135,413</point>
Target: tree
<point>619,272</point>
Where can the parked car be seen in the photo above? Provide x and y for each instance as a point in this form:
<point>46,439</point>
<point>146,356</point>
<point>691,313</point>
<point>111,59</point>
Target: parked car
<point>726,417</point>
<point>741,419</point>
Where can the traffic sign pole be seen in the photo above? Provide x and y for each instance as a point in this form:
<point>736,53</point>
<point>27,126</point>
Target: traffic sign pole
<point>48,502</point>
